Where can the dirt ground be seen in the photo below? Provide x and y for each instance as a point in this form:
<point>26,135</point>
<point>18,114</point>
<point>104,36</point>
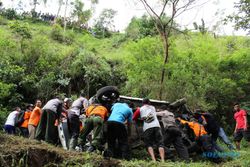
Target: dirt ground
<point>19,151</point>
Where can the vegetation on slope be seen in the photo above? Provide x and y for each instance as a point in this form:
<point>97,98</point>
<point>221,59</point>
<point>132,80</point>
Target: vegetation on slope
<point>19,151</point>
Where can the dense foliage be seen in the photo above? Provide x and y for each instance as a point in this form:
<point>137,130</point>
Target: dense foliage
<point>39,61</point>
<point>241,19</point>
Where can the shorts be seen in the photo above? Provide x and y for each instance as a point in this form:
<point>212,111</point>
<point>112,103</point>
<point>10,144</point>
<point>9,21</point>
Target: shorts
<point>240,133</point>
<point>153,136</point>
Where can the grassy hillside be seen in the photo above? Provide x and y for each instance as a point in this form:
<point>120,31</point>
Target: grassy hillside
<point>39,60</point>
<point>18,151</point>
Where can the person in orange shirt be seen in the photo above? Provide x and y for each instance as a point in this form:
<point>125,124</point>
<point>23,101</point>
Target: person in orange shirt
<point>96,115</point>
<point>24,126</point>
<point>198,129</point>
<point>34,119</point>
<point>202,138</point>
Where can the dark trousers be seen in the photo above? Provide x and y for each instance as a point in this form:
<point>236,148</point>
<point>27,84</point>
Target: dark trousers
<point>173,136</point>
<point>46,129</point>
<point>117,132</point>
<point>24,132</point>
<point>10,129</point>
<point>74,125</point>
<point>205,142</point>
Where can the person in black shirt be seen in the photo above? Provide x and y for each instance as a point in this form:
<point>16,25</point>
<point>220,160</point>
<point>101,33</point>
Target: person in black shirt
<point>211,126</point>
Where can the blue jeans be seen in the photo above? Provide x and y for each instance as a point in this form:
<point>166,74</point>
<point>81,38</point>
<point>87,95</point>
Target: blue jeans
<point>10,129</point>
<point>225,139</point>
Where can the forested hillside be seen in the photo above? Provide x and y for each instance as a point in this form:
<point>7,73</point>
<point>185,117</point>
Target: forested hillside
<point>39,60</point>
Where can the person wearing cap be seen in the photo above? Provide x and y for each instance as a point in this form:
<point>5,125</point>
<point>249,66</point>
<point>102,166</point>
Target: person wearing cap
<point>241,128</point>
<point>151,129</point>
<point>96,115</point>
<point>47,128</point>
<point>24,126</point>
<point>34,119</point>
<point>77,108</point>
<point>121,113</point>
<point>9,126</point>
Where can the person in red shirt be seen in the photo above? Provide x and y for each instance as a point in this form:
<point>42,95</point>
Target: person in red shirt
<point>241,128</point>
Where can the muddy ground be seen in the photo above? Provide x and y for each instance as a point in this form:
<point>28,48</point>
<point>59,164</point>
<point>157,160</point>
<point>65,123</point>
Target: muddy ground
<point>19,151</point>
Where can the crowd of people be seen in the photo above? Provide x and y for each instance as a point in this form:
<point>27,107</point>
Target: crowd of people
<point>111,124</point>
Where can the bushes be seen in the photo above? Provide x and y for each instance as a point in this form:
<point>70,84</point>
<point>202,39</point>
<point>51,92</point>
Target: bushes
<point>10,14</point>
<point>201,69</point>
<point>3,21</point>
<point>21,29</point>
<point>58,35</point>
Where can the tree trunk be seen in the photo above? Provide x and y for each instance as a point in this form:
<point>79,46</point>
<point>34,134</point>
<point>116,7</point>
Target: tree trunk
<point>166,54</point>
<point>65,12</point>
<point>59,9</point>
<point>35,3</point>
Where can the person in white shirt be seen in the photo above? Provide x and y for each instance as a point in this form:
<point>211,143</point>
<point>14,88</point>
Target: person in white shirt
<point>9,125</point>
<point>151,129</point>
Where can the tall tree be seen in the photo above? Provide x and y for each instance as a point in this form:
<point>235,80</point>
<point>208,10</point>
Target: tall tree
<point>60,3</point>
<point>36,2</point>
<point>241,19</point>
<point>201,28</point>
<point>105,23</point>
<point>80,14</point>
<point>165,27</point>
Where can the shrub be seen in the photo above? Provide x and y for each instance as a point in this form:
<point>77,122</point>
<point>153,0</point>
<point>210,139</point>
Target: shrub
<point>10,14</point>
<point>57,33</point>
<point>3,21</point>
<point>69,37</point>
<point>21,29</point>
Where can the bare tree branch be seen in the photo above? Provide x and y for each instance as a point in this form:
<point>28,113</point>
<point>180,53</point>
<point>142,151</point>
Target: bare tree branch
<point>163,9</point>
<point>150,11</point>
<point>145,3</point>
<point>185,7</point>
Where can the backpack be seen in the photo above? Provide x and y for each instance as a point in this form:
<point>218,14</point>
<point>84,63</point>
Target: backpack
<point>19,119</point>
<point>149,118</point>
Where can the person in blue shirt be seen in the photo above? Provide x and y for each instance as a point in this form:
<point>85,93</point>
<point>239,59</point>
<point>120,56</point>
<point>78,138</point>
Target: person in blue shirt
<point>121,114</point>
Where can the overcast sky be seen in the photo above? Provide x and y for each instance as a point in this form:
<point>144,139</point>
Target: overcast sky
<point>126,9</point>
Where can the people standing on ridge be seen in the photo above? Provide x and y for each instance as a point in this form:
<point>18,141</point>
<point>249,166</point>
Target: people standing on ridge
<point>9,125</point>
<point>34,119</point>
<point>151,129</point>
<point>77,108</point>
<point>241,128</point>
<point>47,127</point>
<point>24,126</point>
